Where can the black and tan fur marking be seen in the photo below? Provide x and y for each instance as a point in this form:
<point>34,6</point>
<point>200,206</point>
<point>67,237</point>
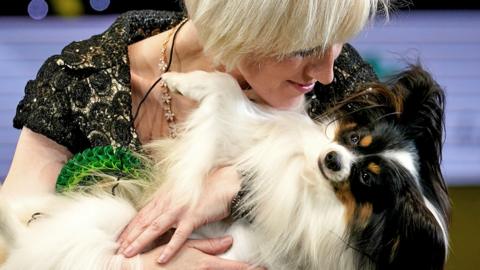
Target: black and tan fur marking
<point>390,223</point>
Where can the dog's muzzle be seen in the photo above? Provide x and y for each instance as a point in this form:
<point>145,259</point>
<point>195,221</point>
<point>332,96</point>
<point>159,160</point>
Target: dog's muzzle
<point>335,164</point>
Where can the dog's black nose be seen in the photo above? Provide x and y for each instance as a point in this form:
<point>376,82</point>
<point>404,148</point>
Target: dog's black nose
<point>332,161</point>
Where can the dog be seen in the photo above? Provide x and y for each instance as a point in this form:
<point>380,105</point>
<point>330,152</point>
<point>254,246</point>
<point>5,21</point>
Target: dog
<point>358,188</point>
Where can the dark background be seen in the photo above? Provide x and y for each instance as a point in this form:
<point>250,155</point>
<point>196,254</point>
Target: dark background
<point>19,7</point>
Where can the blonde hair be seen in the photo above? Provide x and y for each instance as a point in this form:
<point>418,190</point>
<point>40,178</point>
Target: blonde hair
<point>231,29</point>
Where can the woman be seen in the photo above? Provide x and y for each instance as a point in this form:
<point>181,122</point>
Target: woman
<point>104,91</point>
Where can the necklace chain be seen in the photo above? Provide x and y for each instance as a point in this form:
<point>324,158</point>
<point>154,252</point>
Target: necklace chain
<point>168,113</point>
<point>163,64</point>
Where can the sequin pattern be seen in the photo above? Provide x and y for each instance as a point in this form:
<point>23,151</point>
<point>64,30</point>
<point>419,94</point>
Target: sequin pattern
<point>82,97</point>
<point>350,72</point>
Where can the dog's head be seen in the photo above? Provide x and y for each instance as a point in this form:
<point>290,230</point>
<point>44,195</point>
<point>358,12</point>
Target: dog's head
<point>385,168</point>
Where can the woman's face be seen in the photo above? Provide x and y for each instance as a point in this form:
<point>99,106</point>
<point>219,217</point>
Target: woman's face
<point>282,83</point>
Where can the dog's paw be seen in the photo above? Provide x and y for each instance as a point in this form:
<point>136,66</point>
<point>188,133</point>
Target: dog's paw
<point>189,84</point>
<point>198,84</point>
<point>172,80</point>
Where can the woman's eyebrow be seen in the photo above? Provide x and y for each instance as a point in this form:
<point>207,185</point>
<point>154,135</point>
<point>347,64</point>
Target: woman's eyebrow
<point>310,51</point>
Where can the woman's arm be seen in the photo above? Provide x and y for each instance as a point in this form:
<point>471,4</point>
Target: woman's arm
<point>35,166</point>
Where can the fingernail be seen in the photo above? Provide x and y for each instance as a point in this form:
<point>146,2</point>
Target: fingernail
<point>226,240</point>
<point>162,258</point>
<point>128,251</point>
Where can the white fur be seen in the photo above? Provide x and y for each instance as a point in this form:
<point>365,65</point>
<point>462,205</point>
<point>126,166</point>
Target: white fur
<point>73,233</point>
<point>299,222</point>
<point>346,158</point>
<point>440,221</point>
<point>407,159</point>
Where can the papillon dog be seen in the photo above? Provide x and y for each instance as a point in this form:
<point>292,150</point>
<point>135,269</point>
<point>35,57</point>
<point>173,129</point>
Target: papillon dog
<point>359,187</point>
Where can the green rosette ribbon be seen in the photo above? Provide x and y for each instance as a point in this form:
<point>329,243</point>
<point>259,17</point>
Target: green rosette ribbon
<point>84,168</point>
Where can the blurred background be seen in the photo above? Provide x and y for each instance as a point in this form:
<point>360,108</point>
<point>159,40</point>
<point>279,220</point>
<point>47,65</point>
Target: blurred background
<point>445,37</point>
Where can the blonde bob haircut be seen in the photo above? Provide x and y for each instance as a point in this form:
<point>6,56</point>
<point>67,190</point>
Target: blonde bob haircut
<point>232,29</point>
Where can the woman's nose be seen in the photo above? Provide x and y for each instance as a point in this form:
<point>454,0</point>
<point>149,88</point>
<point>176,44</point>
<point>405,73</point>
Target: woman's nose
<point>321,68</point>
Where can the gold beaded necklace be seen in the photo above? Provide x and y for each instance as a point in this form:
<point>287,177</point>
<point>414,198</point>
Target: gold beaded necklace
<point>164,65</point>
<point>165,94</point>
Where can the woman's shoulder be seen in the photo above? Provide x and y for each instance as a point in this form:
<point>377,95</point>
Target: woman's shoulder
<point>82,96</point>
<point>350,72</point>
<point>110,47</point>
<point>141,24</point>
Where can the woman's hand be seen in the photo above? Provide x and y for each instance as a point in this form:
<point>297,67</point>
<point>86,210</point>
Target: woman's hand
<point>195,254</point>
<point>162,214</point>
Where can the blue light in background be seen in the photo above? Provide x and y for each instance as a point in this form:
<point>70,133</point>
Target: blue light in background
<point>99,5</point>
<point>37,9</point>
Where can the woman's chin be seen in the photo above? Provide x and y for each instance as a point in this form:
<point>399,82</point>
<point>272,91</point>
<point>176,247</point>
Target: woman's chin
<point>291,104</point>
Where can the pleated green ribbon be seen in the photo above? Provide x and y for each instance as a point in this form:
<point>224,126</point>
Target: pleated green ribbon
<point>85,167</point>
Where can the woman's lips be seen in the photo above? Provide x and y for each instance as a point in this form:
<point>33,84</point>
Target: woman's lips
<point>303,88</point>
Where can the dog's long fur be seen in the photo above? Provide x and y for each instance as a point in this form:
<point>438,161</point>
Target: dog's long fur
<point>316,197</point>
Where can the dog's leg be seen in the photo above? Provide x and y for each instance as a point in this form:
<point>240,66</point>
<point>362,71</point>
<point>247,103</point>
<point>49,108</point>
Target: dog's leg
<point>200,84</point>
<point>207,129</point>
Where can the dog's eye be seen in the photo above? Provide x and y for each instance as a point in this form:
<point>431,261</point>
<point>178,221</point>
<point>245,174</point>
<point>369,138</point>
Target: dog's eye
<point>366,178</point>
<point>354,138</point>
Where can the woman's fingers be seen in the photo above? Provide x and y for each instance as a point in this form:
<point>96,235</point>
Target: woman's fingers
<point>142,216</point>
<point>181,235</point>
<point>141,236</point>
<point>216,263</point>
<point>211,246</point>
<point>138,224</point>
<point>217,246</point>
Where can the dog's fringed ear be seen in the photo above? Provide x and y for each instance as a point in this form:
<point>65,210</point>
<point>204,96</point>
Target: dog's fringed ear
<point>370,103</point>
<point>423,119</point>
<point>418,240</point>
<point>423,107</point>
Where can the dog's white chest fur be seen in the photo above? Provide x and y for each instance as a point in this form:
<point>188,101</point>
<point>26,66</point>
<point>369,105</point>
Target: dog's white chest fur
<point>72,234</point>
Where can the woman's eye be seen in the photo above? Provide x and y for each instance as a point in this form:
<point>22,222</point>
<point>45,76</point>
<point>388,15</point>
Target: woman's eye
<point>366,178</point>
<point>354,138</point>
